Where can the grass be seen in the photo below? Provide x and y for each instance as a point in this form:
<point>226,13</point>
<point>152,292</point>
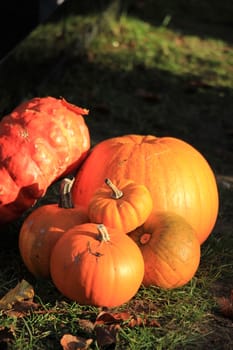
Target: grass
<point>164,74</point>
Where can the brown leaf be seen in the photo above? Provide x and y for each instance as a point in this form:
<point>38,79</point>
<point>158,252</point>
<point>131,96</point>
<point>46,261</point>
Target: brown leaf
<point>23,291</point>
<point>130,320</point>
<point>6,337</point>
<point>153,323</point>
<point>226,305</point>
<point>71,342</point>
<point>22,308</point>
<point>148,95</point>
<point>106,335</point>
<point>87,325</point>
<point>112,317</point>
<point>136,321</point>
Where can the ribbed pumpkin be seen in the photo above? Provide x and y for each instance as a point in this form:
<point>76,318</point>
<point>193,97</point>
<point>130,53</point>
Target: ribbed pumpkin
<point>43,227</point>
<point>177,175</point>
<point>96,265</point>
<point>170,249</point>
<point>41,140</point>
<point>121,204</point>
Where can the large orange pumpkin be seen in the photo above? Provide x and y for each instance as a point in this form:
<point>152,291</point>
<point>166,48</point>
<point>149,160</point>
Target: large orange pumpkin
<point>96,265</point>
<point>170,249</point>
<point>40,141</point>
<point>42,228</point>
<point>123,205</point>
<point>177,175</point>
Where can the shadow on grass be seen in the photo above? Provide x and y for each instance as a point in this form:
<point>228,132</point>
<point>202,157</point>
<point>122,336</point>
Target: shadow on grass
<point>142,100</point>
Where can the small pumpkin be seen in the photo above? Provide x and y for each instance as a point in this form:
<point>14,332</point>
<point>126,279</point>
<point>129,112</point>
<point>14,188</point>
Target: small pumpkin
<point>170,249</point>
<point>43,227</point>
<point>121,204</point>
<point>41,140</point>
<point>96,265</point>
<point>177,175</point>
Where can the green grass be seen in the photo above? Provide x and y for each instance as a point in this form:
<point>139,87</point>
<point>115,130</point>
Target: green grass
<point>160,73</point>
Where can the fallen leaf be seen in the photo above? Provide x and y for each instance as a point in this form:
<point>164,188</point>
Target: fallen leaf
<point>126,318</point>
<point>22,308</point>
<point>226,305</point>
<point>6,337</point>
<point>71,342</point>
<point>106,335</point>
<point>148,95</point>
<point>136,322</point>
<point>23,291</point>
<point>112,317</point>
<point>86,325</point>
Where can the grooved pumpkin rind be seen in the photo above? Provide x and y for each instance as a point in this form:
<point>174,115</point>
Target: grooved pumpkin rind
<point>177,175</point>
<point>39,233</point>
<point>40,141</point>
<point>95,271</point>
<point>125,213</point>
<point>171,250</point>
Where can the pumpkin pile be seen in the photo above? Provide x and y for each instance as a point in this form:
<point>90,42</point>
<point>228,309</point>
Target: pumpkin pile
<point>136,212</point>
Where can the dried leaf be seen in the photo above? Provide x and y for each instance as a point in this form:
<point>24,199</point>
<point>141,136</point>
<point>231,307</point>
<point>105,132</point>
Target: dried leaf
<point>148,95</point>
<point>106,335</point>
<point>22,308</point>
<point>130,320</point>
<point>226,306</point>
<point>71,342</point>
<point>136,322</point>
<point>87,325</point>
<point>6,337</point>
<point>23,291</point>
<point>112,317</point>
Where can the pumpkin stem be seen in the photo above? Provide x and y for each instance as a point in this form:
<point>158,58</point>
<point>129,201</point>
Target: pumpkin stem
<point>144,239</point>
<point>116,193</point>
<point>103,235</point>
<point>65,200</point>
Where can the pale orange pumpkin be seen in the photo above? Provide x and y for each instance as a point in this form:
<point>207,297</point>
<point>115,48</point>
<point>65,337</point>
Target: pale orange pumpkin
<point>170,249</point>
<point>43,227</point>
<point>96,265</point>
<point>178,176</point>
<point>121,204</point>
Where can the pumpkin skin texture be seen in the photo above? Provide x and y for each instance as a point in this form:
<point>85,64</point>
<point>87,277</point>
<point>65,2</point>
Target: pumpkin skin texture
<point>40,141</point>
<point>177,175</point>
<point>97,269</point>
<point>43,227</point>
<point>170,249</point>
<point>121,204</point>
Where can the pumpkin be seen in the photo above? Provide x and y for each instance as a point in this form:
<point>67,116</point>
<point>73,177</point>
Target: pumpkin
<point>170,249</point>
<point>43,227</point>
<point>178,176</point>
<point>40,141</point>
<point>96,265</point>
<point>121,204</point>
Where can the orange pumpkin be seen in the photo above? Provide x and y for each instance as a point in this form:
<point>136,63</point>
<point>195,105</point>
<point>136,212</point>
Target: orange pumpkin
<point>178,177</point>
<point>43,227</point>
<point>170,249</point>
<point>123,205</point>
<point>95,265</point>
<point>41,141</point>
